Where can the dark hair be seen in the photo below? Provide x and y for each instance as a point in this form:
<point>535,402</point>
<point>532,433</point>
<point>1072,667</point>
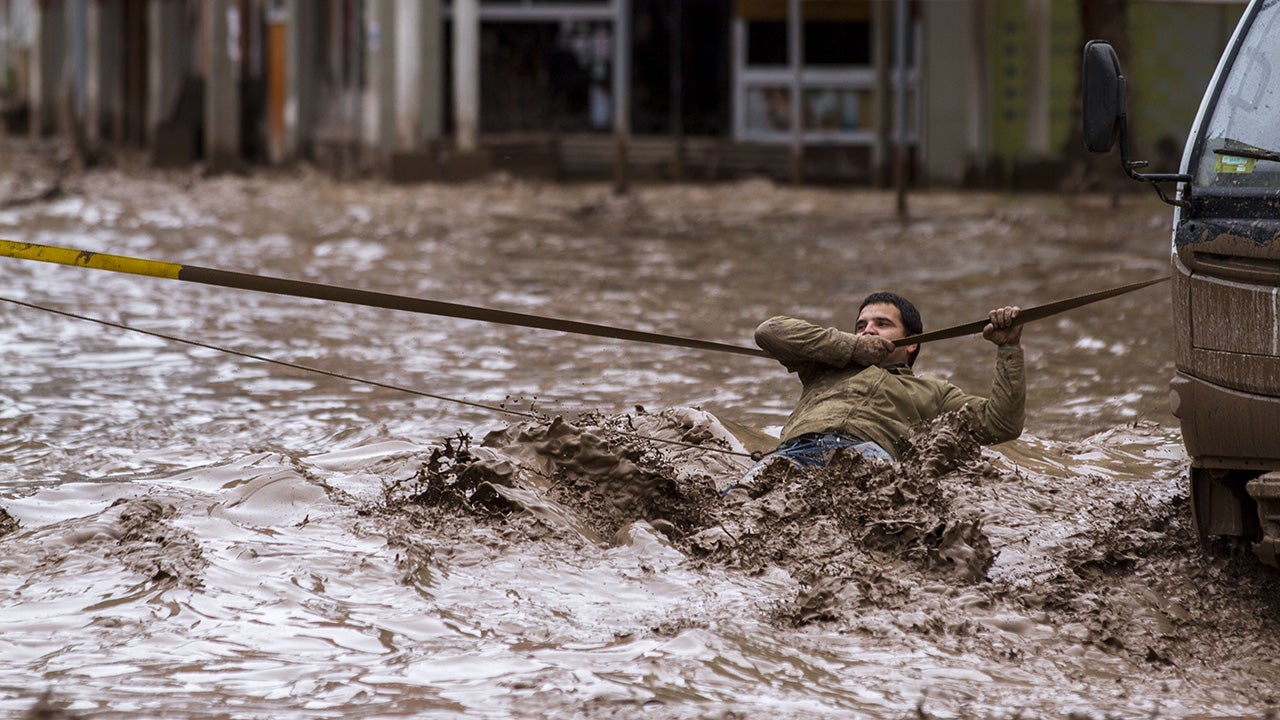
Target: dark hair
<point>910,316</point>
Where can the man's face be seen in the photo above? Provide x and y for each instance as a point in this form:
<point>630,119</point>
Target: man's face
<point>883,319</point>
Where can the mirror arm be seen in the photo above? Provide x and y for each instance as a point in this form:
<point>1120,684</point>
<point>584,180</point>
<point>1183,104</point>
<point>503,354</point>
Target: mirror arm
<point>1130,168</point>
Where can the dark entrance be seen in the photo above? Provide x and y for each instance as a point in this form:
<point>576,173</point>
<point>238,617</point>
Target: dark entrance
<point>680,82</point>
<point>557,75</point>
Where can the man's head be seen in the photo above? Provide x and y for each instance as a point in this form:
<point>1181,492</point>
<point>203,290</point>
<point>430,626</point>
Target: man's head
<point>891,316</point>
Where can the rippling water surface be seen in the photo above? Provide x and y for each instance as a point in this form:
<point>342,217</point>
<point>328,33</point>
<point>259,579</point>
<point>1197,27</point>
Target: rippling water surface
<point>202,534</point>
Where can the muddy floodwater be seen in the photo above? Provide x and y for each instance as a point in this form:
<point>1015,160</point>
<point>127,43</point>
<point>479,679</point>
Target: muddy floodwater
<point>189,532</point>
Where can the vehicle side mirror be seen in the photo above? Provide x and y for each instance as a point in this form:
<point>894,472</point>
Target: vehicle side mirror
<point>1102,95</point>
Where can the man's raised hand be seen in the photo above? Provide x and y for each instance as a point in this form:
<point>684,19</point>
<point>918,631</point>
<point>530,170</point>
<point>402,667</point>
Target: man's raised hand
<point>1001,330</point>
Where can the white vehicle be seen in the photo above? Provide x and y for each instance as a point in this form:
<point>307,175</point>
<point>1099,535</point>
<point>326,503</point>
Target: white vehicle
<point>1226,274</point>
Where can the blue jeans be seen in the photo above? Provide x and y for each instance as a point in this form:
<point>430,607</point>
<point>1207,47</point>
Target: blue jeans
<point>813,450</point>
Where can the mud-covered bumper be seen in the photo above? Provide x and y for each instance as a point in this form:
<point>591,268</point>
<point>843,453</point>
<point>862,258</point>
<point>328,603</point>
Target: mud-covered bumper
<point>1225,428</point>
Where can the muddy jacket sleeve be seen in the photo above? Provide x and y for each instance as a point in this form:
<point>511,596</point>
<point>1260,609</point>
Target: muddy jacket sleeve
<point>1002,413</point>
<point>803,347</point>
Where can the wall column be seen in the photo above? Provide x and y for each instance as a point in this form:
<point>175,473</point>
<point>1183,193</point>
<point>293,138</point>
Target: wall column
<point>978,104</point>
<point>415,90</point>
<point>166,64</point>
<point>621,95</point>
<point>173,116</point>
<point>48,65</point>
<point>466,74</point>
<point>301,35</point>
<point>467,159</point>
<point>417,72</point>
<point>1038,44</point>
<point>945,125</point>
<point>431,85</point>
<point>222,81</point>
<point>795,66</point>
<point>104,89</point>
<point>882,59</point>
<point>379,100</point>
<point>408,72</point>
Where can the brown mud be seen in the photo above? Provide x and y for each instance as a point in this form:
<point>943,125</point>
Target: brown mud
<point>895,552</point>
<point>7,523</point>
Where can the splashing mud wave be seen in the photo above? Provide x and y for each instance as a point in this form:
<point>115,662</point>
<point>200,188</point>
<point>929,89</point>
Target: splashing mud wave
<point>588,566</point>
<point>1021,576</point>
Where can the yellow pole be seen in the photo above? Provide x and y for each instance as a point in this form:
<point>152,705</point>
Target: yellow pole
<point>83,258</point>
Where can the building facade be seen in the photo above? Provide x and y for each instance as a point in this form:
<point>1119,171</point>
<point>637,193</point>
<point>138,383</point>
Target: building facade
<point>971,91</point>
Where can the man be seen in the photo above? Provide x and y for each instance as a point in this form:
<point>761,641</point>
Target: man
<point>858,390</point>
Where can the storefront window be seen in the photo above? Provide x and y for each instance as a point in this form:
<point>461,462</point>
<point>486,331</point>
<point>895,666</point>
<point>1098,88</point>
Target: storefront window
<point>836,78</point>
<point>826,109</point>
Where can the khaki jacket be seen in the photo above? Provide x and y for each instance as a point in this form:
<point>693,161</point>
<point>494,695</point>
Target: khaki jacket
<point>882,404</point>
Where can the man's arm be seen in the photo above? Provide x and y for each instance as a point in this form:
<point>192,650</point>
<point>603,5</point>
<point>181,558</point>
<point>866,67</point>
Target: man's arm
<point>1003,413</point>
<point>799,345</point>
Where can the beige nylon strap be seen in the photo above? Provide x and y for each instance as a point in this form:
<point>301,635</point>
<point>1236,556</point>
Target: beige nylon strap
<point>1029,314</point>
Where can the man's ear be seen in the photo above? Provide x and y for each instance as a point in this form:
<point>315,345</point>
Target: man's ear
<point>911,353</point>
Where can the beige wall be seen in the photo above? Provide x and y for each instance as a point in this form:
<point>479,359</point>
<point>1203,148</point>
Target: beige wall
<point>952,133</point>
